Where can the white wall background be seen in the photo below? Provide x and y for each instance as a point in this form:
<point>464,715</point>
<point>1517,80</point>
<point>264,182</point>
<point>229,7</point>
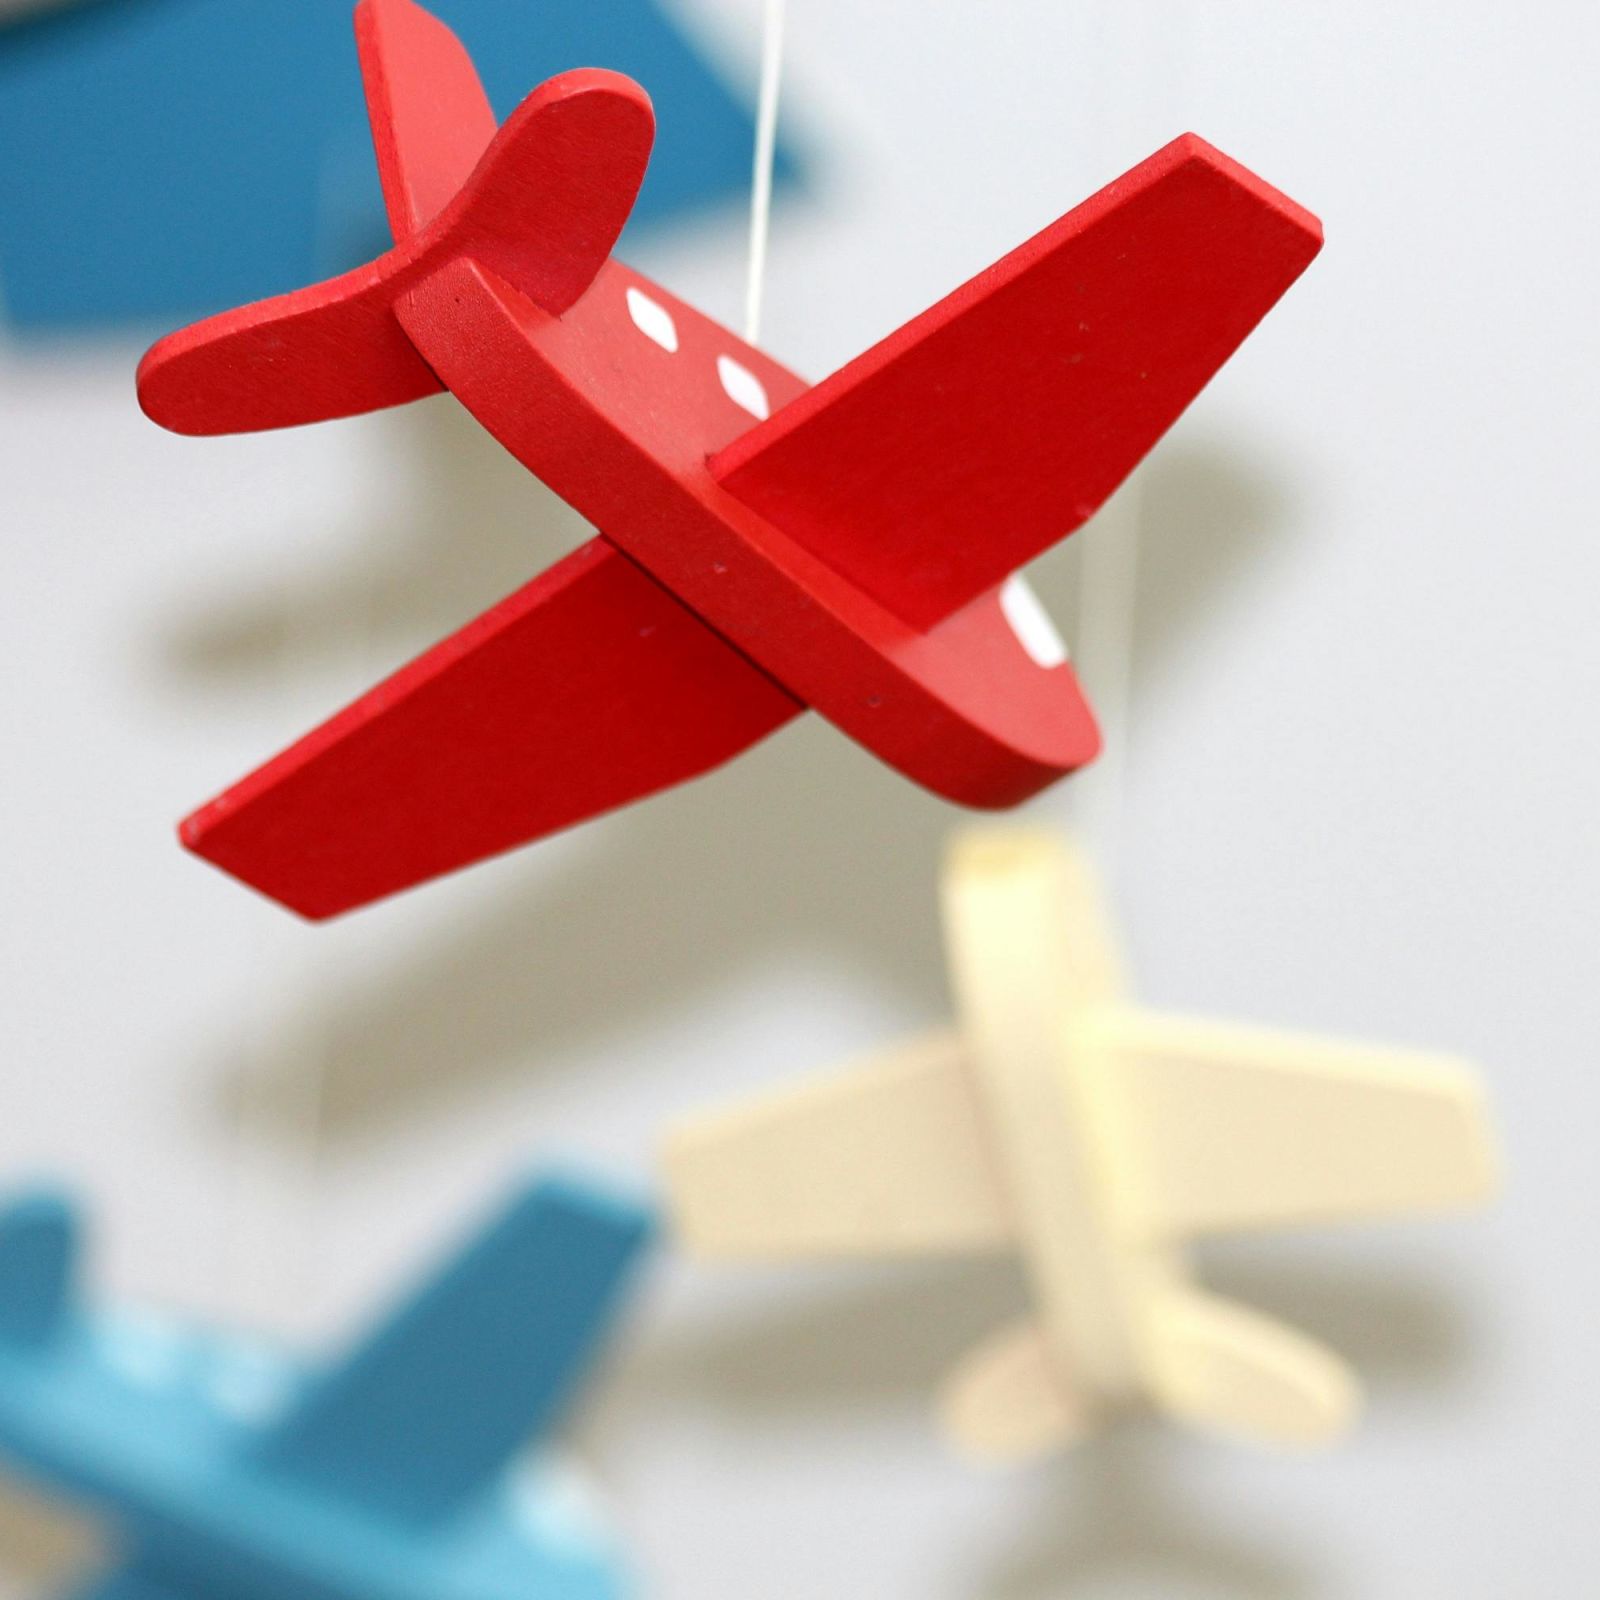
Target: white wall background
<point>1362,781</point>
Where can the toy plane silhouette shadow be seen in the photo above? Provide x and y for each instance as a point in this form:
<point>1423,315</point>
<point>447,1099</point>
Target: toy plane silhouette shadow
<point>389,1475</point>
<point>764,547</point>
<point>839,848</point>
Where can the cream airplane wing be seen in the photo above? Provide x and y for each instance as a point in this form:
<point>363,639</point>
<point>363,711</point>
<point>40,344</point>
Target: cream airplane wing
<point>1213,1128</point>
<point>886,1157</point>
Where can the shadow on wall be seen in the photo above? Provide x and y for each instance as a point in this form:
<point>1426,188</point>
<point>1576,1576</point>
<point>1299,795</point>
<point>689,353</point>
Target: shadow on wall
<point>803,845</point>
<point>480,526</point>
<point>475,527</point>
<point>853,1348</point>
<point>844,1345</point>
<point>1115,1510</point>
<point>1113,1515</point>
<point>800,850</point>
<point>803,848</point>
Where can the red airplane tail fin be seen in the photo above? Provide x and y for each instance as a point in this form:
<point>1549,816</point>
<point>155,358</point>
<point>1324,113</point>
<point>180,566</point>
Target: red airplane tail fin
<point>431,120</point>
<point>539,202</point>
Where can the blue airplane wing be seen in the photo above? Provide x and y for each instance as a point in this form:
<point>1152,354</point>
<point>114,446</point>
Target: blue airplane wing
<point>435,1405</point>
<point>38,1250</point>
<point>159,160</point>
<point>131,1583</point>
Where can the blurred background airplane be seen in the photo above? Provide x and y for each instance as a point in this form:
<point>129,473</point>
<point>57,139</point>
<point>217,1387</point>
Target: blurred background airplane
<point>1097,1142</point>
<point>397,1472</point>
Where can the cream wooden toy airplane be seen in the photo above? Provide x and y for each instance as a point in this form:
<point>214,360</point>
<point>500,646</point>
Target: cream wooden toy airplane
<point>1095,1139</point>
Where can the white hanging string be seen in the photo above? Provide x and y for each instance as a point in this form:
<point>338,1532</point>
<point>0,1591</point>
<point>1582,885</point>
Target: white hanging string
<point>1108,573</point>
<point>1108,581</point>
<point>273,1223</point>
<point>271,1214</point>
<point>765,156</point>
<point>271,1239</point>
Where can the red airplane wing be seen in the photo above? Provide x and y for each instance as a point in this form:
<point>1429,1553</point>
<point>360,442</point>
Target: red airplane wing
<point>592,672</point>
<point>1064,363</point>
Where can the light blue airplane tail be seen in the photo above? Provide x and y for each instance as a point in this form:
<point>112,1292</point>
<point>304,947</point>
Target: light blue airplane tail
<point>38,1253</point>
<point>434,1405</point>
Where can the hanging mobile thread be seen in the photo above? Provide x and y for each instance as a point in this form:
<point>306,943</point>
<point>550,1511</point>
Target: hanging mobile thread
<point>1108,571</point>
<point>283,1091</point>
<point>277,1131</point>
<point>765,158</point>
<point>1108,583</point>
<point>1156,53</point>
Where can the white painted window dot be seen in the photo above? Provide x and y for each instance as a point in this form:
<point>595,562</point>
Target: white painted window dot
<point>652,319</point>
<point>1031,623</point>
<point>743,387</point>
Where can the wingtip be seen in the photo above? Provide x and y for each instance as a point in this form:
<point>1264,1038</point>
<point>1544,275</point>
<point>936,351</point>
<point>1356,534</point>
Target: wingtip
<point>159,397</point>
<point>167,393</point>
<point>370,11</point>
<point>146,385</point>
<point>629,111</point>
<point>1191,147</point>
<point>40,1233</point>
<point>626,1217</point>
<point>201,834</point>
<point>597,80</point>
<point>366,14</point>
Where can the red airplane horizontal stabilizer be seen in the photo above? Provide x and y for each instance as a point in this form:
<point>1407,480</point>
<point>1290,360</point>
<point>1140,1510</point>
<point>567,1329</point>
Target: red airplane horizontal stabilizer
<point>541,209</point>
<point>587,688</point>
<point>987,429</point>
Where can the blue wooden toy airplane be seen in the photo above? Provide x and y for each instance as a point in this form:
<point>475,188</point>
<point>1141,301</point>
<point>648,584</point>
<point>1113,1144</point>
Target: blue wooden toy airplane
<point>128,193</point>
<point>227,1473</point>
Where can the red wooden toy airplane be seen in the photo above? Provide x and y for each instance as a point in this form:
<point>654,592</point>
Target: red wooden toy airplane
<point>763,546</point>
